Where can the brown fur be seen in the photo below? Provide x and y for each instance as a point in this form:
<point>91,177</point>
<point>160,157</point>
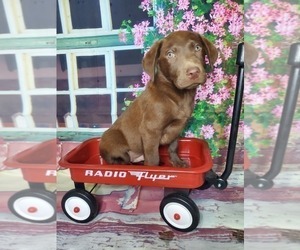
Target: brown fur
<point>176,67</point>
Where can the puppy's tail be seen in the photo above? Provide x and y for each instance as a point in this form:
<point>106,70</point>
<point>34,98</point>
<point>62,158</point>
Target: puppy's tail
<point>114,147</point>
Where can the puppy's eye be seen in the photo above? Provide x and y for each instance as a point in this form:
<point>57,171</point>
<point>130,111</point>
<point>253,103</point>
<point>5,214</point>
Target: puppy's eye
<point>198,47</point>
<point>170,54</point>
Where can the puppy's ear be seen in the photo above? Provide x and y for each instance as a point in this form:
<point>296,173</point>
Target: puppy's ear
<point>150,59</point>
<point>210,50</point>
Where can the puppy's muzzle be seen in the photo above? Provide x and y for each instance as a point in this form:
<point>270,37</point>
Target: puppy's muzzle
<point>193,73</point>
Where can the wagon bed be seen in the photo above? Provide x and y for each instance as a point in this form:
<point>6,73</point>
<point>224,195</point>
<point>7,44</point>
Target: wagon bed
<point>38,163</point>
<point>86,165</point>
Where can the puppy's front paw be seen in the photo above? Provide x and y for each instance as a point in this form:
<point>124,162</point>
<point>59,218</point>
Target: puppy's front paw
<point>179,163</point>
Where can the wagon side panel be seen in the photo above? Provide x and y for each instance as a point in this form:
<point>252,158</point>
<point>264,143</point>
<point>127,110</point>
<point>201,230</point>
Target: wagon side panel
<point>178,179</point>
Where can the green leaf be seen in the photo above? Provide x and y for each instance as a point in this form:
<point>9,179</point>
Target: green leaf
<point>127,103</point>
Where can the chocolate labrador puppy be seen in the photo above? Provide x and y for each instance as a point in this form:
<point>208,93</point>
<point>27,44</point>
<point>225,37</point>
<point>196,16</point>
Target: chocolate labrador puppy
<point>176,67</point>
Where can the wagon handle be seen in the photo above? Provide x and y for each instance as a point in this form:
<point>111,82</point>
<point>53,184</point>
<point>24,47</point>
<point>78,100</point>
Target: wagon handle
<point>237,106</point>
<point>211,177</point>
<point>288,111</point>
<point>289,106</point>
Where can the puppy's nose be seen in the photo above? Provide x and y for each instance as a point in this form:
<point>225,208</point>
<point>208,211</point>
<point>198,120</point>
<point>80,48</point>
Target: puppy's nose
<point>193,73</point>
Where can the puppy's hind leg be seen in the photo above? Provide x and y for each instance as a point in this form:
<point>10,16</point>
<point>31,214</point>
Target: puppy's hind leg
<point>114,147</point>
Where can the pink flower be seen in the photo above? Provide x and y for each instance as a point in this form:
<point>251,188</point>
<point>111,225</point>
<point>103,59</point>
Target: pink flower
<point>215,99</point>
<point>218,13</point>
<point>189,17</point>
<point>201,94</point>
<point>140,31</point>
<point>247,131</point>
<point>236,24</point>
<point>260,44</point>
<point>283,80</point>
<point>219,43</point>
<point>229,111</point>
<point>254,99</point>
<point>258,17</point>
<point>217,29</point>
<point>200,28</point>
<point>286,24</point>
<point>273,52</point>
<point>122,36</point>
<point>146,5</point>
<point>224,93</point>
<point>169,21</point>
<point>203,91</point>
<point>209,86</point>
<point>218,98</point>
<point>183,26</point>
<point>164,23</point>
<point>227,52</point>
<point>183,4</point>
<point>248,87</point>
<point>145,78</point>
<point>262,17</point>
<point>259,75</point>
<point>160,16</point>
<point>227,131</point>
<point>269,93</point>
<point>218,74</point>
<point>218,62</point>
<point>273,131</point>
<point>201,25</point>
<point>293,8</point>
<point>135,92</point>
<point>232,79</point>
<point>207,131</point>
<point>277,111</point>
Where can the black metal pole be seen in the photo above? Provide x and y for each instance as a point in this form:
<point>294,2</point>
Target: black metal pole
<point>236,113</point>
<point>289,107</point>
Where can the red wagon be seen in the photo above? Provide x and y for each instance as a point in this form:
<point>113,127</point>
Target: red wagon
<point>38,165</point>
<point>177,209</point>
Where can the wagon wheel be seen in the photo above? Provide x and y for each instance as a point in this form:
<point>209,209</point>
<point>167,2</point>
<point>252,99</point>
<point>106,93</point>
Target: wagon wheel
<point>80,205</point>
<point>180,212</point>
<point>33,205</point>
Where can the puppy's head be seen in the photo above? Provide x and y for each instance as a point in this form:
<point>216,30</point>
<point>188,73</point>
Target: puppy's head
<point>180,59</point>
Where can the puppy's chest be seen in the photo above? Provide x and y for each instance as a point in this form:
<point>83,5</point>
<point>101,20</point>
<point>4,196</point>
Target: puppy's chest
<point>183,110</point>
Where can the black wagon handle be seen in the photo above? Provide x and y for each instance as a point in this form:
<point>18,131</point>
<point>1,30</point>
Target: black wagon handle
<point>220,182</point>
<point>289,106</point>
<point>237,107</point>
